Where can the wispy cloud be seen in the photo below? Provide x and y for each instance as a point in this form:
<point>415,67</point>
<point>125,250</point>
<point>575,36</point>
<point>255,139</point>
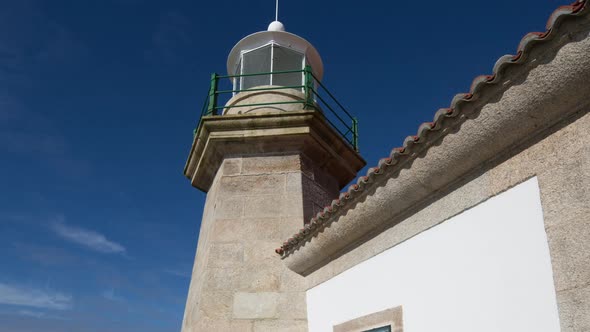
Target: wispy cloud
<point>36,298</point>
<point>38,314</point>
<point>183,273</point>
<point>34,314</point>
<point>34,46</point>
<point>110,295</point>
<point>29,38</point>
<point>172,40</point>
<point>28,133</point>
<point>88,238</point>
<point>45,255</point>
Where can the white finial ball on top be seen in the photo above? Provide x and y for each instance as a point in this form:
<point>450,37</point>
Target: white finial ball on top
<point>276,26</point>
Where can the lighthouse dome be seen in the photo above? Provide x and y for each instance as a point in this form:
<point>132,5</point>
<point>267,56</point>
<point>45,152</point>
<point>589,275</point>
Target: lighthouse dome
<point>276,26</point>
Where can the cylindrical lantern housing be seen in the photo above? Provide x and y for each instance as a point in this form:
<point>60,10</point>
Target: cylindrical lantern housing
<point>273,51</point>
<point>267,59</point>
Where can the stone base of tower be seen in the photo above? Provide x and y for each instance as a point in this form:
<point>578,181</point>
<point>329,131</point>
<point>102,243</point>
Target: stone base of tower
<point>262,185</point>
<point>238,283</point>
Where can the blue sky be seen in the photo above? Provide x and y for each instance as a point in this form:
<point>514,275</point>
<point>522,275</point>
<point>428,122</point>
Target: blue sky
<point>98,100</point>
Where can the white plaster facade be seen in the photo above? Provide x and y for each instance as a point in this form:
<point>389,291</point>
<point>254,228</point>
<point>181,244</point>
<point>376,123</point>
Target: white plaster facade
<point>487,269</point>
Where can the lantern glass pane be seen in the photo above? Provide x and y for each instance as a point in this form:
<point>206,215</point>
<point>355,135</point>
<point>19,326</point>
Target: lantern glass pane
<point>255,62</point>
<point>285,59</point>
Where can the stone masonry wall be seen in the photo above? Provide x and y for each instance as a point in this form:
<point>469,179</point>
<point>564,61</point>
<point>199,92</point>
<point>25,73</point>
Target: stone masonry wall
<point>254,203</point>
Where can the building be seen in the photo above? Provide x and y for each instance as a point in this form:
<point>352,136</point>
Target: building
<point>479,222</point>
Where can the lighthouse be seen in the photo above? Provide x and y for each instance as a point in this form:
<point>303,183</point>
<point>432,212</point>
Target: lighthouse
<point>272,148</point>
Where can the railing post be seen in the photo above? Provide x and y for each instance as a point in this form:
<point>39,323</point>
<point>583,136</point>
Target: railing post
<point>212,106</point>
<point>355,134</point>
<point>308,87</point>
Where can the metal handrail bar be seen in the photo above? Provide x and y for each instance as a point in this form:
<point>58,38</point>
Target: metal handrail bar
<point>204,109</point>
<point>331,95</point>
<point>262,74</point>
<point>277,87</point>
<point>210,107</point>
<point>212,96</point>
<point>355,134</point>
<point>338,130</point>
<point>330,108</point>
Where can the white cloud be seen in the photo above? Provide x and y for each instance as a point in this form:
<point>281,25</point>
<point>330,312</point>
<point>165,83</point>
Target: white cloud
<point>29,313</point>
<point>38,315</point>
<point>87,238</point>
<point>35,298</point>
<point>184,273</point>
<point>110,295</point>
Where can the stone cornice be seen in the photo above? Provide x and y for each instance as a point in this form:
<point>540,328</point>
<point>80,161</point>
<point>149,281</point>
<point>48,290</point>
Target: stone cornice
<point>305,132</point>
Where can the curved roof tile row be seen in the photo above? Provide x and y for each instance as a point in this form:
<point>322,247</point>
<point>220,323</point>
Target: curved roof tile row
<point>328,215</point>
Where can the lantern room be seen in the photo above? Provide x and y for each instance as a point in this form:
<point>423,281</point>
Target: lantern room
<point>272,58</point>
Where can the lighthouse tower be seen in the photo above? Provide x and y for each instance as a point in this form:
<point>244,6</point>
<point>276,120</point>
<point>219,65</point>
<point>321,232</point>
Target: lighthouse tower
<point>272,148</point>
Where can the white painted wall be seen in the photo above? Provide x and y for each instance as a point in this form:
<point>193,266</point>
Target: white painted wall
<point>487,269</point>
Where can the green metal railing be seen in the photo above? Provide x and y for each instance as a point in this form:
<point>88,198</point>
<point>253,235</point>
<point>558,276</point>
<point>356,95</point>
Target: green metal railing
<point>338,117</point>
